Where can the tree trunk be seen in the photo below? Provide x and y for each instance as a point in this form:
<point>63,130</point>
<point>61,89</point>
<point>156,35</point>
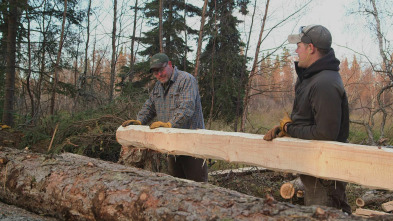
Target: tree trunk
<point>32,109</point>
<point>253,70</point>
<point>57,64</point>
<point>160,31</point>
<point>113,60</point>
<point>199,48</point>
<point>8,108</point>
<point>132,60</point>
<point>74,187</point>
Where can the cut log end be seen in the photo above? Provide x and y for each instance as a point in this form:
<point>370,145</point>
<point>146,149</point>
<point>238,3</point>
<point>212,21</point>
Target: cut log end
<point>300,194</point>
<point>287,191</point>
<point>360,202</point>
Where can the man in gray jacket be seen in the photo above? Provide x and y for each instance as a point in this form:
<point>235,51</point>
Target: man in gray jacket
<point>320,110</point>
<point>174,102</point>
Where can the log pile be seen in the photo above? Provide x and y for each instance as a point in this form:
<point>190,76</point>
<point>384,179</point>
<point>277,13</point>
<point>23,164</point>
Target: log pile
<point>73,187</point>
<point>288,189</point>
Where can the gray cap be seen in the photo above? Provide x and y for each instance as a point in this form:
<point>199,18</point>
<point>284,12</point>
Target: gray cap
<point>318,35</point>
<point>158,60</point>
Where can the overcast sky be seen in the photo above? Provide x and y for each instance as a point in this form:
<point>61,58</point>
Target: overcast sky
<point>347,30</point>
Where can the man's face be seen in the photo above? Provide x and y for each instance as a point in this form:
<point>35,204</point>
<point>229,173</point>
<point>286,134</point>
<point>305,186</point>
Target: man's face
<point>303,53</point>
<point>163,74</point>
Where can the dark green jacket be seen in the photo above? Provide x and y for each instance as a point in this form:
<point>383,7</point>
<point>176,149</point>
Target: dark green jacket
<point>320,110</point>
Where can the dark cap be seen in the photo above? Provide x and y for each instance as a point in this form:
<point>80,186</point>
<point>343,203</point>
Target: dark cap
<point>318,35</point>
<point>158,60</point>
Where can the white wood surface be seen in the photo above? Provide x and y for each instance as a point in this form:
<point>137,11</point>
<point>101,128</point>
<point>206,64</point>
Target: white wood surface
<point>365,165</point>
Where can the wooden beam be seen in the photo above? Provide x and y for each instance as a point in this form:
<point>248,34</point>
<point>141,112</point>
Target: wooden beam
<point>365,165</point>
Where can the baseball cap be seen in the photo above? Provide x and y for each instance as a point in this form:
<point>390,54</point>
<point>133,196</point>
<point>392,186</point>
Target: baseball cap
<point>318,35</point>
<point>158,60</point>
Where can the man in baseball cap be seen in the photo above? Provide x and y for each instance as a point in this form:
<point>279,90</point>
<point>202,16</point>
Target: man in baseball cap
<point>320,110</point>
<point>174,102</point>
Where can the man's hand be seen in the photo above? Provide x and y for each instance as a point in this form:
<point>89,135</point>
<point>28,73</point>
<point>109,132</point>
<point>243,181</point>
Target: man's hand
<point>285,120</point>
<point>160,124</point>
<point>131,122</point>
<point>274,133</point>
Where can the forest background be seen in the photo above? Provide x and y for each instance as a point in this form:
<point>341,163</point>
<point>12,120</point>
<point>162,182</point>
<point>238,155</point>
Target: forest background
<point>80,67</point>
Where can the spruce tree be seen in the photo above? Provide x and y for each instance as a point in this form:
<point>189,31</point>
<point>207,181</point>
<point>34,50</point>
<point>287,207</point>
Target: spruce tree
<point>222,61</point>
<point>173,27</point>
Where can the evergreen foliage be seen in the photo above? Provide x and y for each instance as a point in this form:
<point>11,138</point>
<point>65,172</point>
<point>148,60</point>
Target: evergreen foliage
<point>174,27</point>
<point>222,62</point>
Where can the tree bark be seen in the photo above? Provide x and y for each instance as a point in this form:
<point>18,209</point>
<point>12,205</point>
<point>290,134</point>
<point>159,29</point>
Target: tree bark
<point>8,108</point>
<point>160,28</point>
<point>74,187</point>
<point>132,60</point>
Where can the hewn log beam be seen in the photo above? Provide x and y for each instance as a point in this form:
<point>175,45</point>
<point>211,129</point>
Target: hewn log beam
<point>73,187</point>
<point>366,165</point>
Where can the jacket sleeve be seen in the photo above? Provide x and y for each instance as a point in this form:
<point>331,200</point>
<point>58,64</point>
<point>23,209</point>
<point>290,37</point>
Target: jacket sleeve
<point>186,102</point>
<point>325,100</point>
<point>148,111</point>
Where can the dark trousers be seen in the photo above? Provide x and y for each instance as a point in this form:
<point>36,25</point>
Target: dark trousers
<point>325,193</point>
<point>187,167</point>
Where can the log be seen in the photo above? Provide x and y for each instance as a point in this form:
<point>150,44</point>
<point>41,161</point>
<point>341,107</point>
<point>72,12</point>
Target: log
<point>388,206</point>
<point>288,189</point>
<point>369,166</point>
<point>375,197</point>
<point>369,213</point>
<point>73,187</point>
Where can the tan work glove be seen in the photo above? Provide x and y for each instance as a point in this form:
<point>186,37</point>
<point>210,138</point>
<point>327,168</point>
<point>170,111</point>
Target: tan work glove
<point>284,121</point>
<point>278,131</point>
<point>274,133</point>
<point>131,122</point>
<point>160,124</point>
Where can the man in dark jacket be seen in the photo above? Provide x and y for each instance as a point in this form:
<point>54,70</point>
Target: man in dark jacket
<point>320,110</point>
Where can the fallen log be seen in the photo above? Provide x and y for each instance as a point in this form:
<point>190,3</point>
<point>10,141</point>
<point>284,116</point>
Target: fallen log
<point>365,165</point>
<point>73,187</point>
<point>376,197</point>
<point>368,213</point>
<point>288,189</point>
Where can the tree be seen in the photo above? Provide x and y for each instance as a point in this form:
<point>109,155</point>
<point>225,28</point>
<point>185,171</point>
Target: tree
<point>114,52</point>
<point>200,38</point>
<point>221,62</point>
<point>12,17</point>
<point>173,24</point>
<point>373,11</point>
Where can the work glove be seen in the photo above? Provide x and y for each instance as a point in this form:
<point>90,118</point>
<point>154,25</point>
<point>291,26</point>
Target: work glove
<point>160,124</point>
<point>285,120</point>
<point>131,122</point>
<point>278,131</point>
<point>274,133</point>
